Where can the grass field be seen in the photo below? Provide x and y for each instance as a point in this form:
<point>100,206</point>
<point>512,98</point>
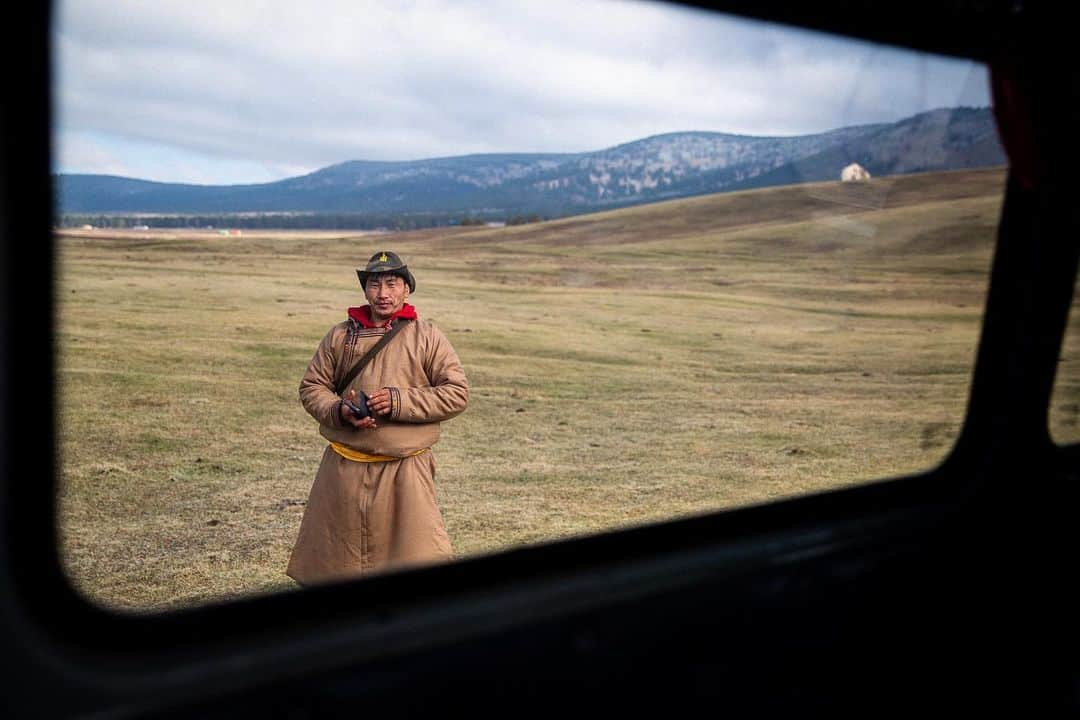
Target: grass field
<point>626,367</point>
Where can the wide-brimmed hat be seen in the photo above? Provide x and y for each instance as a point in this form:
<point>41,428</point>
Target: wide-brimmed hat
<point>386,262</point>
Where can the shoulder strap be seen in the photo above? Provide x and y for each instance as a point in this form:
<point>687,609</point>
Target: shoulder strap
<point>398,325</point>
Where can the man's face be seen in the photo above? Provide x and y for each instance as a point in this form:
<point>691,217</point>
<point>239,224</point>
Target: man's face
<point>386,294</point>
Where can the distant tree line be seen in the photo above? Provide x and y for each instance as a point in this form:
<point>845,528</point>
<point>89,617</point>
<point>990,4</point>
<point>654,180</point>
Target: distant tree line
<point>523,219</point>
<point>510,220</point>
<point>290,221</point>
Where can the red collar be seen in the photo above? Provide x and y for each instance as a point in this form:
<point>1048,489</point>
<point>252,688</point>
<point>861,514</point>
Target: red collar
<point>362,315</point>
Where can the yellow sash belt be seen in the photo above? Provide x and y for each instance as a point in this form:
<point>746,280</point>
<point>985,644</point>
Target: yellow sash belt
<point>357,456</point>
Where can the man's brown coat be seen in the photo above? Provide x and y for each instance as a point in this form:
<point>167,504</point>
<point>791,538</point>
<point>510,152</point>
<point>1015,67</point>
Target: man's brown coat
<point>365,516</point>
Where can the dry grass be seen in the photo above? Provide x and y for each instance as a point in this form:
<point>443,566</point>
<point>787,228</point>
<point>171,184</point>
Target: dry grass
<point>626,367</point>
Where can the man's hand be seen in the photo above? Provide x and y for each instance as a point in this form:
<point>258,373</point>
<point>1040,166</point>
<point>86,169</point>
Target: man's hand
<point>379,402</point>
<point>357,422</point>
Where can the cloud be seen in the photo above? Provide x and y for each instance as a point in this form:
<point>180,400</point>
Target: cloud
<point>276,86</point>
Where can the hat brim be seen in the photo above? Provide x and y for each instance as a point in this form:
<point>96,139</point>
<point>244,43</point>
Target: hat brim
<point>402,272</point>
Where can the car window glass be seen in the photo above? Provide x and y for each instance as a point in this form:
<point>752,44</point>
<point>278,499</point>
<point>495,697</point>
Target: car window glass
<point>757,269</point>
<point>1065,400</point>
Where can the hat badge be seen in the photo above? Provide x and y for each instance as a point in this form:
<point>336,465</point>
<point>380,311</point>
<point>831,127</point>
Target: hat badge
<point>383,258</point>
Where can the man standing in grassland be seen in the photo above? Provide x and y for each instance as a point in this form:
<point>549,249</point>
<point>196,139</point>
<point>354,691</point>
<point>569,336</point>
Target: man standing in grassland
<point>372,505</point>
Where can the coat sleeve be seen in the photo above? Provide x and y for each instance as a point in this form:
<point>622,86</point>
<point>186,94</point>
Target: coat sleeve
<point>317,393</point>
<point>447,393</point>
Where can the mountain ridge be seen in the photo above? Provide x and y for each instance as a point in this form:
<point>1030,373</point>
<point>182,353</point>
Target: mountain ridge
<point>653,168</point>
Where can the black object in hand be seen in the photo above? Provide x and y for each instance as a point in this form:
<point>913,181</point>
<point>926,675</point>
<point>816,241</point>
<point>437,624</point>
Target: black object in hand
<point>359,406</point>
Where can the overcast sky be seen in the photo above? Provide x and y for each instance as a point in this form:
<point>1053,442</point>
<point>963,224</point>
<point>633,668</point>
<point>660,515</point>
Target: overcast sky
<point>217,92</point>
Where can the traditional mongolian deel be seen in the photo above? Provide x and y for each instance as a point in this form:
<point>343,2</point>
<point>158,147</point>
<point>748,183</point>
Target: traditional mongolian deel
<point>372,505</point>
